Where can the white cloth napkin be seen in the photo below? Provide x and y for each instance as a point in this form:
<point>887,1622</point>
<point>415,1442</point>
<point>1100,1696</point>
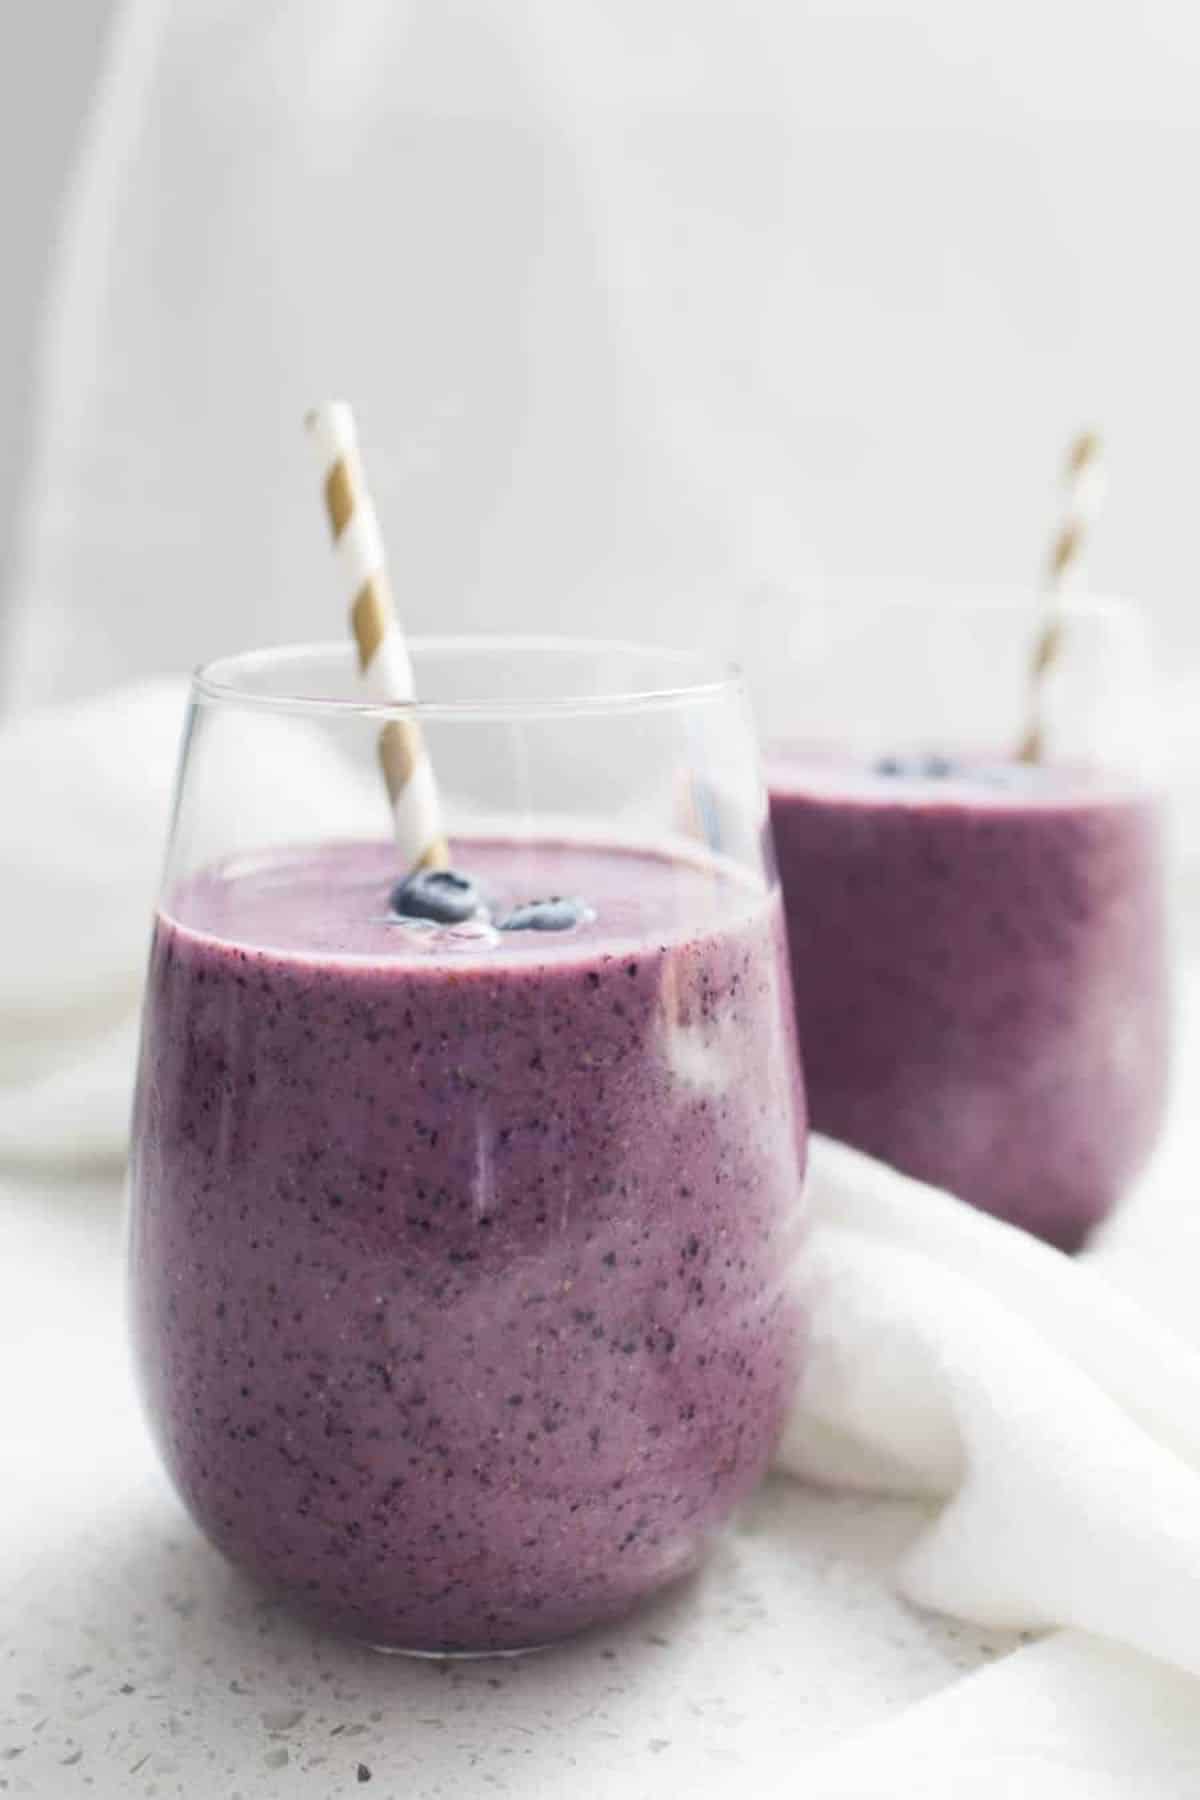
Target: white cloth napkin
<point>1052,1422</point>
<point>1058,1421</point>
<point>84,795</point>
<point>1070,1718</point>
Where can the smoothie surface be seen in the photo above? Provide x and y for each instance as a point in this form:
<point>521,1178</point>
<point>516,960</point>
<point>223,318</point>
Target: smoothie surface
<point>925,781</point>
<point>331,902</point>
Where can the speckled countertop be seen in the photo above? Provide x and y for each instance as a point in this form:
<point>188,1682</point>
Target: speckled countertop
<point>134,1662</point>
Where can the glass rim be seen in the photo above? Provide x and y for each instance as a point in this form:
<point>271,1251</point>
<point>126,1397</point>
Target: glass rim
<point>711,676</point>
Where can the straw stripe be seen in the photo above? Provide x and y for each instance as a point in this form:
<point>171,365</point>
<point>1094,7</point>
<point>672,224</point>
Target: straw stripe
<point>389,671</point>
<point>416,796</point>
<point>359,551</point>
<point>396,760</point>
<point>1084,478</point>
<point>382,652</point>
<point>368,622</point>
<point>339,498</point>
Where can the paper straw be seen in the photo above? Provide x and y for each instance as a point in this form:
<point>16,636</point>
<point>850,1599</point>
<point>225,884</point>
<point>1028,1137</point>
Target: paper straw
<point>1083,478</point>
<point>382,652</point>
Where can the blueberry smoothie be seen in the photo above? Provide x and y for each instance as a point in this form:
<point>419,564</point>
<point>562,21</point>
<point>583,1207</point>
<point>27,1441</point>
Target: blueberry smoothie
<point>465,1254</point>
<point>980,974</point>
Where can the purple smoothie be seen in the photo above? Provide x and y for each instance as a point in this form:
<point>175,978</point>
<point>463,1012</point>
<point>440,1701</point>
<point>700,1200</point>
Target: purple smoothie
<point>465,1274</point>
<point>980,977</point>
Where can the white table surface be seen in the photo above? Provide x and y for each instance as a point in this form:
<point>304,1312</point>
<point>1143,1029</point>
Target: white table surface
<point>134,1662</point>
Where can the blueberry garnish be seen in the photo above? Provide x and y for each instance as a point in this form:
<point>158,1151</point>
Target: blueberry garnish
<point>917,768</point>
<point>546,915</point>
<point>944,768</point>
<point>442,895</point>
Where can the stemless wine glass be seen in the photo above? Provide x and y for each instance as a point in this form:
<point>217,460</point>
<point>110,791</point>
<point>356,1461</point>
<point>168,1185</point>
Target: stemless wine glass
<point>978,943</point>
<point>464,1252</point>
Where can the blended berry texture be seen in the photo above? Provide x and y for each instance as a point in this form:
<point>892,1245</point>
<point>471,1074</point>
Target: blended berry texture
<point>465,1271</point>
<point>980,975</point>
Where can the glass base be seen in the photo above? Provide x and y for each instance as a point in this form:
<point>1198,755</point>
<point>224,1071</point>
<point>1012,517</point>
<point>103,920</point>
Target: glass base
<point>459,1656</point>
<point>663,1593</point>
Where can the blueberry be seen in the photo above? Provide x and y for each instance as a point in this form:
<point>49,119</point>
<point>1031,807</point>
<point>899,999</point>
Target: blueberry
<point>442,895</point>
<point>556,914</point>
<point>917,768</point>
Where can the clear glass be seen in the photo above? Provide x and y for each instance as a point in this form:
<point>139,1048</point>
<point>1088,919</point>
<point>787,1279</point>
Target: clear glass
<point>978,945</point>
<point>466,1260</point>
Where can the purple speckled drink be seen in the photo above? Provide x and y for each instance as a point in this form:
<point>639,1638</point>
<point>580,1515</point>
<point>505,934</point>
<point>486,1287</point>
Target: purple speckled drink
<point>464,1273</point>
<point>980,974</point>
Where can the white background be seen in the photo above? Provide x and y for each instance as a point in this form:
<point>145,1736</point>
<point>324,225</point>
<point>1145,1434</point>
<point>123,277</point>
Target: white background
<point>49,55</point>
<point>979,232</point>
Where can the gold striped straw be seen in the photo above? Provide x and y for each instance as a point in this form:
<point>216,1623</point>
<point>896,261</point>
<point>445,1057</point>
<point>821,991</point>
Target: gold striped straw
<point>382,652</point>
<point>1083,478</point>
